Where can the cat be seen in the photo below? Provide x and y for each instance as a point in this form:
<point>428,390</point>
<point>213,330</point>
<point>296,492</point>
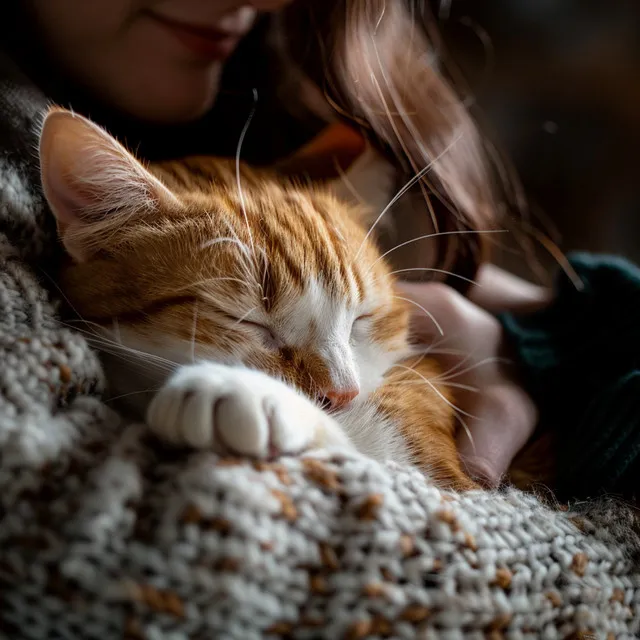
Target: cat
<point>240,311</point>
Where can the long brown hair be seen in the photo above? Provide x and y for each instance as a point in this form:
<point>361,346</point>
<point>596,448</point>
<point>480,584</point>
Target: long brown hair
<point>379,64</point>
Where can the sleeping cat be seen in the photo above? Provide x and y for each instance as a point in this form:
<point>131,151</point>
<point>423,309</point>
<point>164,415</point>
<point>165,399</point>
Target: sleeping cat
<point>240,311</point>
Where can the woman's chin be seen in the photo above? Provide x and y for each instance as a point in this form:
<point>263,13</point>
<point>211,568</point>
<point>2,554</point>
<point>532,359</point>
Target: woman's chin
<point>166,100</point>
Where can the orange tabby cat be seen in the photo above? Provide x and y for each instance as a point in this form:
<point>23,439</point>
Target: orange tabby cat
<point>243,313</point>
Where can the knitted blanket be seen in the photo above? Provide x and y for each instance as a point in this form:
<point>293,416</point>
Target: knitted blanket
<point>105,533</point>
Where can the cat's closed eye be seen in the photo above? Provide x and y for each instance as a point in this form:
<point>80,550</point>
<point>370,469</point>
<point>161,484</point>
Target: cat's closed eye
<point>359,324</point>
<point>268,336</point>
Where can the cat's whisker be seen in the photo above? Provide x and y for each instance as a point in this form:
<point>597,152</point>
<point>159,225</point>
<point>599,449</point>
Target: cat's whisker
<point>92,335</point>
<point>404,190</point>
<point>435,390</point>
<point>133,359</point>
<point>248,263</point>
<point>243,203</point>
<point>316,389</point>
<point>350,186</point>
<point>465,426</point>
<point>457,385</point>
<point>211,243</point>
<point>445,352</point>
<point>423,347</point>
<point>435,349</point>
<point>99,340</point>
<point>428,313</point>
<point>132,393</point>
<point>445,376</point>
<point>133,355</point>
<point>265,273</point>
<point>434,235</point>
<point>194,332</point>
<point>463,387</point>
<point>448,375</point>
<point>242,318</point>
<point>61,292</point>
<point>455,367</point>
<point>420,357</point>
<point>246,251</point>
<point>434,270</point>
<point>71,322</point>
<point>398,111</point>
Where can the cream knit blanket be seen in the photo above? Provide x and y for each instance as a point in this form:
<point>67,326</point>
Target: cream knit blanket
<point>106,534</point>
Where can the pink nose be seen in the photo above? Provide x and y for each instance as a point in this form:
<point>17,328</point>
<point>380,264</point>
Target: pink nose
<point>340,398</point>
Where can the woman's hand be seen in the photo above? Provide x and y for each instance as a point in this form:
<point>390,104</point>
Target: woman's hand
<point>498,413</point>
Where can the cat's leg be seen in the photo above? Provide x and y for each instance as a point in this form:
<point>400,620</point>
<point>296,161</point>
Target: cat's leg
<point>240,411</point>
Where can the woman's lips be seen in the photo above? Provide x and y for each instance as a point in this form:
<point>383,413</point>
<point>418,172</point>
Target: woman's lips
<point>205,42</point>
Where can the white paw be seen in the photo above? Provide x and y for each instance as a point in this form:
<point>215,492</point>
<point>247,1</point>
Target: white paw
<point>239,411</point>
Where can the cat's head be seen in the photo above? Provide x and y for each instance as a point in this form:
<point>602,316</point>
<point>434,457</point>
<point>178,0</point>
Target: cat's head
<point>193,260</point>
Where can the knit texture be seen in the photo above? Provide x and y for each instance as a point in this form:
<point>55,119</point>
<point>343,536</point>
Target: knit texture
<point>105,533</point>
<point>580,362</point>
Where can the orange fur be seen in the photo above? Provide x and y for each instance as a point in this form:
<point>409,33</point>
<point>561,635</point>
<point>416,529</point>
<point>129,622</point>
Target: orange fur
<point>424,413</point>
<point>195,255</point>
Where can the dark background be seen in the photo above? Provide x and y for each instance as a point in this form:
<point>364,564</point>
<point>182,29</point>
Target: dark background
<point>558,82</point>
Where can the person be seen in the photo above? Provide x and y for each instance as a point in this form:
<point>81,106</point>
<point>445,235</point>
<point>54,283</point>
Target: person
<point>178,77</point>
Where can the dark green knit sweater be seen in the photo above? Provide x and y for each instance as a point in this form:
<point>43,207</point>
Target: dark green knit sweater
<point>580,361</point>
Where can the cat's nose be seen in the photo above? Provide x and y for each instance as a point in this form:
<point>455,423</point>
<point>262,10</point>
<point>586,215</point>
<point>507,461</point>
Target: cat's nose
<point>340,398</point>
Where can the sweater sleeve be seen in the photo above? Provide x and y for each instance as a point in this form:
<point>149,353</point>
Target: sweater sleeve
<point>579,359</point>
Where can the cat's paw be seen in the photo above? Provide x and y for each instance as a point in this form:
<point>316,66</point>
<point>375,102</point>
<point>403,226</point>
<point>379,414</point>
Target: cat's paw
<point>240,412</point>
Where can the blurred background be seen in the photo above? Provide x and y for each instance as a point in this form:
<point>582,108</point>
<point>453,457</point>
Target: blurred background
<point>558,82</point>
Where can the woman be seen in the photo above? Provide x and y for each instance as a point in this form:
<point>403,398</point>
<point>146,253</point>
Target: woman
<point>102,535</point>
<point>177,77</point>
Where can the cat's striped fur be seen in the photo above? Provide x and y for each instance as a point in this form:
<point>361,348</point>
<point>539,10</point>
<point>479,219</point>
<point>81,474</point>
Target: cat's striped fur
<point>254,311</point>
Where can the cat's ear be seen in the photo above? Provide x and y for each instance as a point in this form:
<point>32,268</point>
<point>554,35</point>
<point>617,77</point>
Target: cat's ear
<point>91,182</point>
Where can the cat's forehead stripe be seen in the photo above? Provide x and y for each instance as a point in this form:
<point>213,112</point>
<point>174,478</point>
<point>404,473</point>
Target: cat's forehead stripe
<point>299,247</point>
<point>302,234</point>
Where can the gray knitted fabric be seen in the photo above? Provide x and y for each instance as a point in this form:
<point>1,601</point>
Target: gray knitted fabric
<point>106,534</point>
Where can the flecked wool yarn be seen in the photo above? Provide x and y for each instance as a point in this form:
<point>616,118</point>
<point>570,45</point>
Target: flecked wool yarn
<point>105,533</point>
